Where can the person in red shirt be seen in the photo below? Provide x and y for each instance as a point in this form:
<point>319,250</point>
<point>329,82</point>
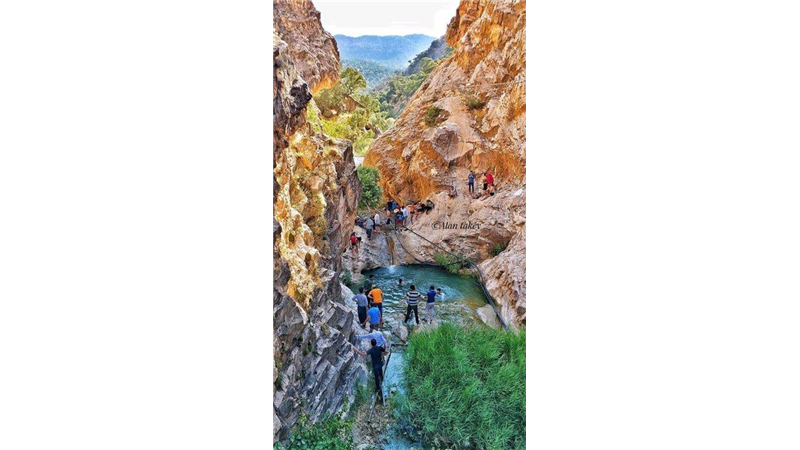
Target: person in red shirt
<point>489,178</point>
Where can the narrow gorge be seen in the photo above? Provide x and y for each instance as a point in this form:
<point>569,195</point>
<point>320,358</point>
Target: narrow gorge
<point>468,115</point>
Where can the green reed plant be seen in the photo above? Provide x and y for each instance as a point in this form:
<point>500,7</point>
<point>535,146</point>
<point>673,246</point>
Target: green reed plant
<point>466,387</point>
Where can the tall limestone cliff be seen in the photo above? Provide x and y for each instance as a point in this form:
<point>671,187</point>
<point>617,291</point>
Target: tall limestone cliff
<point>316,192</point>
<point>468,115</point>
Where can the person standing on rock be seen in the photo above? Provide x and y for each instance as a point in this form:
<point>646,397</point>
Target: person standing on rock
<point>361,301</point>
<point>489,178</point>
<point>412,300</point>
<point>430,304</point>
<point>471,181</point>
<point>376,296</point>
<point>377,220</point>
<point>376,355</point>
<point>369,225</point>
<point>374,318</point>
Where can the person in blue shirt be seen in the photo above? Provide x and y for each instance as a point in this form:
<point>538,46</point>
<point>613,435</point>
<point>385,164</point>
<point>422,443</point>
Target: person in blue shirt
<point>377,335</point>
<point>430,304</point>
<point>471,181</point>
<point>374,318</point>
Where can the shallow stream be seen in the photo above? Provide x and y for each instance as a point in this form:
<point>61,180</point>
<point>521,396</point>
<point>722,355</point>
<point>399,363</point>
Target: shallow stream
<point>462,297</point>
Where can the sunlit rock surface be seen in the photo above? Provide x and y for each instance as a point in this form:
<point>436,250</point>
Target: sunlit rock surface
<point>315,196</point>
<point>479,93</point>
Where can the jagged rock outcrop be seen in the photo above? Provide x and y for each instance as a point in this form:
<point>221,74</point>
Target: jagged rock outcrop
<point>468,115</point>
<point>316,192</point>
<point>313,51</point>
<point>487,65</point>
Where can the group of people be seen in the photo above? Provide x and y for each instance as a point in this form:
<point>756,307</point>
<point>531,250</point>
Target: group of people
<point>369,301</point>
<point>412,303</point>
<point>400,216</point>
<point>370,310</point>
<point>488,184</point>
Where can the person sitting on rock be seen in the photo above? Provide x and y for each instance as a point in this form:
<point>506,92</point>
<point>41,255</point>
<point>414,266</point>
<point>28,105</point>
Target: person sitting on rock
<point>428,206</point>
<point>453,192</point>
<point>376,355</point>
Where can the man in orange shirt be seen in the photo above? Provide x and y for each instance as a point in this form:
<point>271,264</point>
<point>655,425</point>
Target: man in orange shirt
<point>376,297</point>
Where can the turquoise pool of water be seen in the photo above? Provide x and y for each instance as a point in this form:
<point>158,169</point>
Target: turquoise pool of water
<point>462,295</point>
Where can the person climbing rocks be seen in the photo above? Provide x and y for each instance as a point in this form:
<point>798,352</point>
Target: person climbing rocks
<point>389,205</point>
<point>377,222</point>
<point>489,178</point>
<point>359,222</point>
<point>361,301</point>
<point>377,335</point>
<point>374,318</point>
<point>412,302</point>
<point>404,210</point>
<point>368,283</point>
<point>376,296</point>
<point>398,219</point>
<point>471,181</point>
<point>412,211</point>
<point>353,241</point>
<point>369,226</point>
<point>485,181</point>
<point>376,356</point>
<point>429,313</point>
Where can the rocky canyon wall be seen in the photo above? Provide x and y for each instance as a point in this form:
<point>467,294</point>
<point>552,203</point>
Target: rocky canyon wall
<point>468,115</point>
<point>316,193</point>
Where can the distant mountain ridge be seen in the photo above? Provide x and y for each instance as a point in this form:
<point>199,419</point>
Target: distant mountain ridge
<point>394,52</point>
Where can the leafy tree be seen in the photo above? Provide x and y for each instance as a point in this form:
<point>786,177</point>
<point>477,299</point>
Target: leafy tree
<point>370,191</point>
<point>352,81</point>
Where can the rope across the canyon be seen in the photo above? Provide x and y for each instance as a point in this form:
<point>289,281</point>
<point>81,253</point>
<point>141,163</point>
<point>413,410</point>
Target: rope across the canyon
<point>462,259</point>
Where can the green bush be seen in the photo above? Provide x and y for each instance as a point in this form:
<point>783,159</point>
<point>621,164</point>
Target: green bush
<point>432,116</point>
<point>497,249</point>
<point>347,277</point>
<point>370,191</point>
<point>327,434</point>
<point>448,261</point>
<point>466,387</point>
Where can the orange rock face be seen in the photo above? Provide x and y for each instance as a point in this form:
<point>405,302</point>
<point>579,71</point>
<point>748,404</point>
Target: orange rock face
<point>479,94</point>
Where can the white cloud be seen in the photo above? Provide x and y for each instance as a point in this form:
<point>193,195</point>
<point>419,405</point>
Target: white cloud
<point>386,17</point>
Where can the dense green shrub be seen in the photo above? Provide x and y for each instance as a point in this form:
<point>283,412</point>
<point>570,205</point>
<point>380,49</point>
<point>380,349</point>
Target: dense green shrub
<point>327,434</point>
<point>448,262</point>
<point>370,191</point>
<point>466,387</point>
